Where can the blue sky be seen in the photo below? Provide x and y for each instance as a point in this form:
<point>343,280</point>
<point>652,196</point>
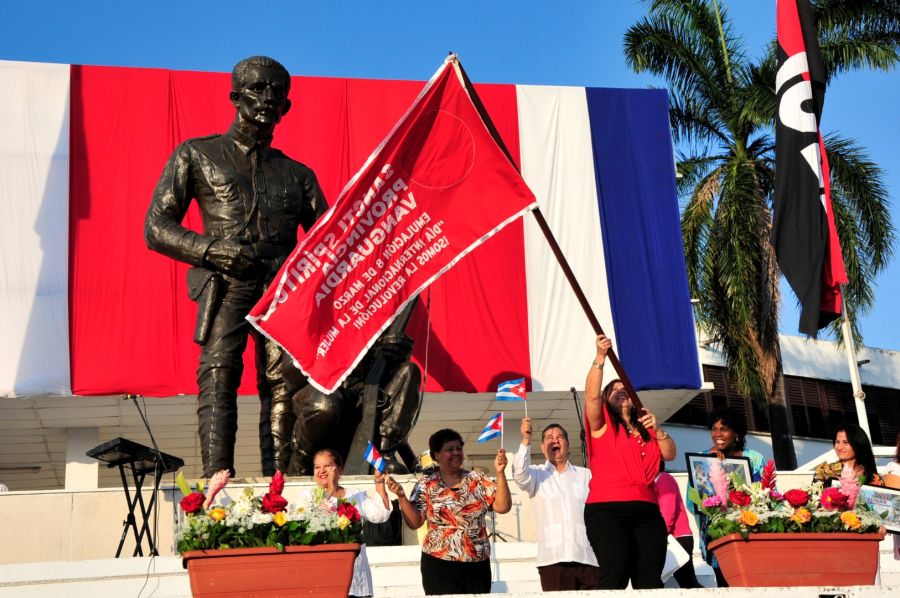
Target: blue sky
<point>576,42</point>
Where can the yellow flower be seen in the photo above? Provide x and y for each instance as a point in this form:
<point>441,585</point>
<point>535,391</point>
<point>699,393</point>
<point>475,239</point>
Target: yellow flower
<point>850,519</point>
<point>217,514</point>
<point>749,518</point>
<point>343,522</point>
<point>801,516</point>
<point>279,518</point>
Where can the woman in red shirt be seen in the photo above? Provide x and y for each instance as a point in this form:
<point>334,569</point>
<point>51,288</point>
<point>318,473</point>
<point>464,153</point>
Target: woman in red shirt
<point>624,524</point>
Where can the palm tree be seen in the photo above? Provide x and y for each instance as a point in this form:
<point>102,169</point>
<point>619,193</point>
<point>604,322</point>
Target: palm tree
<point>722,112</point>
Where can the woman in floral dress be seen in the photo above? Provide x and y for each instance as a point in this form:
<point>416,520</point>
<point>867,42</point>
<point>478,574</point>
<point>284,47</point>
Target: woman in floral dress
<point>453,501</point>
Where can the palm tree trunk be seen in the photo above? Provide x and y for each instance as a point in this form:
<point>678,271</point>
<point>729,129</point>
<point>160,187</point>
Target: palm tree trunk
<point>780,424</point>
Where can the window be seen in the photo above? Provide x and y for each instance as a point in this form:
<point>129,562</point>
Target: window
<point>816,406</point>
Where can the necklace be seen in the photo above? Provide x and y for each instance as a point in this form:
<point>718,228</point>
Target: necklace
<point>641,442</point>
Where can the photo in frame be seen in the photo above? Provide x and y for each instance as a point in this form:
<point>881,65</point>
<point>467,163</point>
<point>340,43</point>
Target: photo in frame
<point>883,500</point>
<point>700,464</point>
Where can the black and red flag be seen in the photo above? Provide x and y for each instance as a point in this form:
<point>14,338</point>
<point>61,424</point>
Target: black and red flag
<point>804,235</point>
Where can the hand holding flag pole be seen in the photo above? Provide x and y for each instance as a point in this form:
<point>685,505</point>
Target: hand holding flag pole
<point>493,429</point>
<point>513,390</point>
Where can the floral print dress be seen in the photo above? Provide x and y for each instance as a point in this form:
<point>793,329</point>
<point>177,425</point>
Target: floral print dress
<point>455,516</point>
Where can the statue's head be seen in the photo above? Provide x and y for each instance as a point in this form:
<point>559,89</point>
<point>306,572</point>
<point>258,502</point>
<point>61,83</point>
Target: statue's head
<point>259,90</point>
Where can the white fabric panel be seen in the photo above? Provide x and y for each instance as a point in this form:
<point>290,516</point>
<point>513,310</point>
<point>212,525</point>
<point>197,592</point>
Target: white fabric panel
<point>34,195</point>
<point>557,163</point>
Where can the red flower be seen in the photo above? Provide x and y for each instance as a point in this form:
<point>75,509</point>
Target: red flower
<point>276,486</point>
<point>349,511</point>
<point>796,498</point>
<point>273,503</point>
<point>741,499</point>
<point>192,502</point>
<point>835,500</point>
<point>768,475</point>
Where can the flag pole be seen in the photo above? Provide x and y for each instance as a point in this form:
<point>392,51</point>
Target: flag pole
<point>502,425</point>
<point>548,235</point>
<point>859,396</point>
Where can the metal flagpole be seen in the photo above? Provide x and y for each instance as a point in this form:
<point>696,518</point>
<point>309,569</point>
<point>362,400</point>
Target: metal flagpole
<point>859,396</point>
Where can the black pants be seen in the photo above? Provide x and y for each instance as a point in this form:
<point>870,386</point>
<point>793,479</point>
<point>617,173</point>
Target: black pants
<point>629,541</point>
<point>560,577</point>
<point>218,378</point>
<point>454,577</point>
<point>685,576</point>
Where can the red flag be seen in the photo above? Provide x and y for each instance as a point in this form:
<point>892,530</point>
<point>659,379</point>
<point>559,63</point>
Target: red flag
<point>804,235</point>
<point>436,188</point>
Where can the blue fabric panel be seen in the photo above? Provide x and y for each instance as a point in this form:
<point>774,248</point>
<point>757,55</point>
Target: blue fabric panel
<point>645,267</point>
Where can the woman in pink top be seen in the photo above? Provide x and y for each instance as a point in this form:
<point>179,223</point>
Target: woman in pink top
<point>624,525</point>
<point>675,515</point>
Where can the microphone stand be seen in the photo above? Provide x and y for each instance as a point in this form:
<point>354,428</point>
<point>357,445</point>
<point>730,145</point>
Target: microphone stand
<point>580,427</point>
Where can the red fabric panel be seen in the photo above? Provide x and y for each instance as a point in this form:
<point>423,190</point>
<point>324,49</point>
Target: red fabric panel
<point>131,322</point>
<point>479,311</point>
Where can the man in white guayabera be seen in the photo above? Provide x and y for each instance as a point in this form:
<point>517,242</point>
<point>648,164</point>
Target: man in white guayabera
<point>558,491</point>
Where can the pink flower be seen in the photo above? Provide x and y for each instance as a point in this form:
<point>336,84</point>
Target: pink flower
<point>850,485</point>
<point>713,501</point>
<point>775,495</point>
<point>719,480</point>
<point>218,481</point>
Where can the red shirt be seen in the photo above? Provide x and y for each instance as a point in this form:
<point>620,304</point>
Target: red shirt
<point>623,466</point>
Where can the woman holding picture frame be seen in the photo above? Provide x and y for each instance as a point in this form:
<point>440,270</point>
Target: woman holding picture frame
<point>728,431</point>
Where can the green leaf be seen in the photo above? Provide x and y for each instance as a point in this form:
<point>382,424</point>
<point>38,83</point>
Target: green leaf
<point>182,483</point>
<point>694,497</point>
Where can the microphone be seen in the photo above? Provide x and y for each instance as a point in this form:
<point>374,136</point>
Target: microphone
<point>572,389</point>
<point>129,397</point>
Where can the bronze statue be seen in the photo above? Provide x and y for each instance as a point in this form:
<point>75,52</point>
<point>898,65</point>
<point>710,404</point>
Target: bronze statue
<point>252,198</point>
<point>379,401</point>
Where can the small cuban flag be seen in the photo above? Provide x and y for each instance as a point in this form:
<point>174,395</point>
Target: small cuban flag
<point>493,429</point>
<point>374,458</point>
<point>513,390</point>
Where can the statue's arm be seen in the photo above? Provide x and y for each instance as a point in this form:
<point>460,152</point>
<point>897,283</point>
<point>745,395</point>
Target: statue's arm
<point>163,231</point>
<point>316,199</point>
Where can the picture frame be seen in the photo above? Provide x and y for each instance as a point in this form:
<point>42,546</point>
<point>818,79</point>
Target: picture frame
<point>883,500</point>
<point>700,464</point>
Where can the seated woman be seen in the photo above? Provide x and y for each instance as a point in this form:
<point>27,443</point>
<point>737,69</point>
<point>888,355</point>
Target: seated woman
<point>327,469</point>
<point>624,526</point>
<point>853,450</point>
<point>456,551</point>
<point>728,431</point>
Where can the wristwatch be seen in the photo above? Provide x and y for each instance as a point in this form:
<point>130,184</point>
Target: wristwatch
<point>664,435</point>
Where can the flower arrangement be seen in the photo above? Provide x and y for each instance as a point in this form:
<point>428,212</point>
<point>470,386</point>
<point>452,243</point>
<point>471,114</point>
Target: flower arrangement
<point>250,521</point>
<point>738,507</point>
